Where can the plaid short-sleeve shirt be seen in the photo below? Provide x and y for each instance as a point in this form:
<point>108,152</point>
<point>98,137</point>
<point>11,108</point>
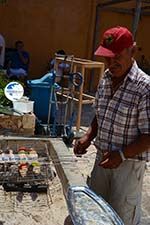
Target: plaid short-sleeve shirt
<point>124,115</point>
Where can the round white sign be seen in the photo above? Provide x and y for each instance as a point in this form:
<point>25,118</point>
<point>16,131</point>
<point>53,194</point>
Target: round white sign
<point>14,91</point>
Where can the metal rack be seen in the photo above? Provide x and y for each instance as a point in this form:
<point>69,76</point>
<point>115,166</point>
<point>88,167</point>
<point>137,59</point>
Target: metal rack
<point>67,82</point>
<point>10,176</point>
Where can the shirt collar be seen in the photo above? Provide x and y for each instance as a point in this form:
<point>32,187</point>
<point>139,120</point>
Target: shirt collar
<point>133,71</point>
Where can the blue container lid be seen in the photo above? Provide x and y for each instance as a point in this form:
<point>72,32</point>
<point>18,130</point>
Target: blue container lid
<point>46,80</point>
<point>39,85</point>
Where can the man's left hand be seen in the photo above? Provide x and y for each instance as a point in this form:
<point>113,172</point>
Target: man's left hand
<point>111,160</point>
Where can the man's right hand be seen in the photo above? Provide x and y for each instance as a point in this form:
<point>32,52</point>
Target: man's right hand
<point>81,145</point>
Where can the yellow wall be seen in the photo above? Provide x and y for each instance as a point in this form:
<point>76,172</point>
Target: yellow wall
<point>46,26</point>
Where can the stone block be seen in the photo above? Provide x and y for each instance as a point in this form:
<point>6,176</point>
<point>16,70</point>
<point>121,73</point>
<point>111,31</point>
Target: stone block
<point>14,124</point>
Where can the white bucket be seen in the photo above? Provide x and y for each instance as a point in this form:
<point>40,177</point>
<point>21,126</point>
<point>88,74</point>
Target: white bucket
<point>23,106</point>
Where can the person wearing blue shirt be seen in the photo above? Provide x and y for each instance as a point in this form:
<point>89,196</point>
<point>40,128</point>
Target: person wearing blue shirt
<point>19,62</point>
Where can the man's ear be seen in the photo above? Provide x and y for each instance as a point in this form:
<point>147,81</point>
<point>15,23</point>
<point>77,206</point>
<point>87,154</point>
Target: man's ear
<point>134,49</point>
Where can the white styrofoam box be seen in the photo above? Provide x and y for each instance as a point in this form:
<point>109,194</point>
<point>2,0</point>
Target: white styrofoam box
<point>23,106</point>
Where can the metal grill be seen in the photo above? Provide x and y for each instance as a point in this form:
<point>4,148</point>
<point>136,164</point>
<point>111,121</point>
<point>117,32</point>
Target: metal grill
<point>19,188</point>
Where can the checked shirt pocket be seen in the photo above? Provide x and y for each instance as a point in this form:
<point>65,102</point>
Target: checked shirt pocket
<point>122,114</point>
<point>125,120</point>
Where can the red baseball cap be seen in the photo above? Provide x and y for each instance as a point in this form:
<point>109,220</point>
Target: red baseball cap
<point>114,41</point>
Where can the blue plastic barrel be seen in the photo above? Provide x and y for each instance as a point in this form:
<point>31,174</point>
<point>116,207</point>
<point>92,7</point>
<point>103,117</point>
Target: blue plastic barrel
<point>41,91</point>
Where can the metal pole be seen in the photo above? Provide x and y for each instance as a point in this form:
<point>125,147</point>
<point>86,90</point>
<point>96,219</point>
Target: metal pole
<point>136,17</point>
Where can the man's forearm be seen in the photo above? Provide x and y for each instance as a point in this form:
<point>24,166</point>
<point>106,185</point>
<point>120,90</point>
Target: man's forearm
<point>142,144</point>
<point>92,130</point>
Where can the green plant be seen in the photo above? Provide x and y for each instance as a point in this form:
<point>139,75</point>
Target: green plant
<point>3,82</point>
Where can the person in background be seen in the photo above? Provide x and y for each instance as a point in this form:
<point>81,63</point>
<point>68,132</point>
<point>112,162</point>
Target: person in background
<point>120,128</point>
<point>63,67</point>
<point>19,62</point>
<point>2,51</point>
<point>52,61</point>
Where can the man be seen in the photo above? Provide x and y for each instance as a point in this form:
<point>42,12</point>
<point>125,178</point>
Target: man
<point>19,62</point>
<point>121,127</point>
<point>2,51</point>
